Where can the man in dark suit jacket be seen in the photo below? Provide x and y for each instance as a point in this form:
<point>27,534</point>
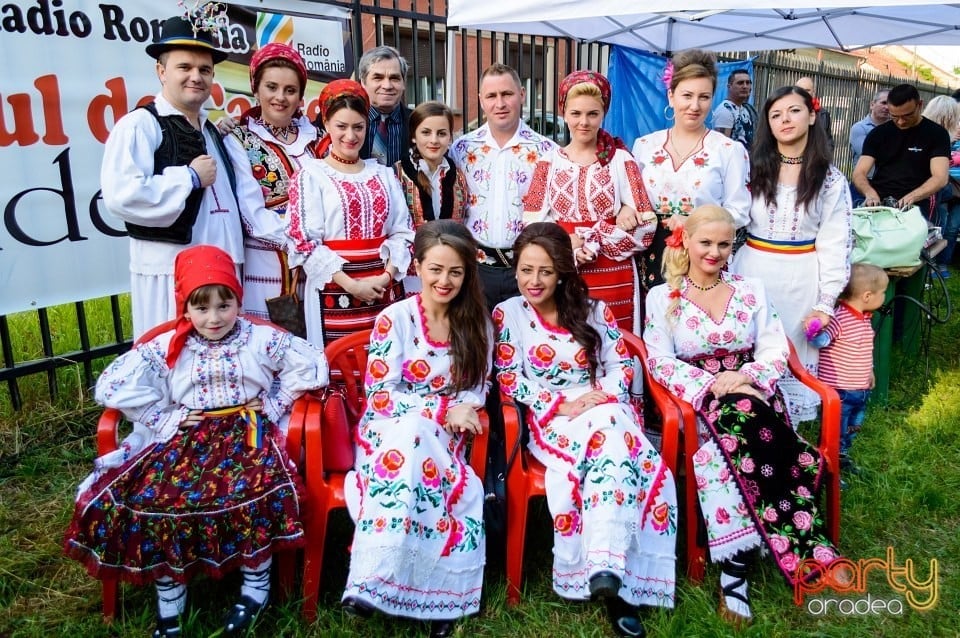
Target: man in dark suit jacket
<point>383,73</point>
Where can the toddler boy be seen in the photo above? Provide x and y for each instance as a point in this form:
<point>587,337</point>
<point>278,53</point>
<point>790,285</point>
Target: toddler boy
<point>846,361</point>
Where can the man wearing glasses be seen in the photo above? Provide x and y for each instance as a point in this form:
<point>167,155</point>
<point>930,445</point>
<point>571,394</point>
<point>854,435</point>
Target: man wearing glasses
<point>911,155</point>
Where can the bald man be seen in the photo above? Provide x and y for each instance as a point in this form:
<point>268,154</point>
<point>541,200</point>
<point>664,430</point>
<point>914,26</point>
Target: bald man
<point>823,115</point>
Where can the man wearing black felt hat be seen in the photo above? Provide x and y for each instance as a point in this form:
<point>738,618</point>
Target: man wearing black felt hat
<point>170,176</point>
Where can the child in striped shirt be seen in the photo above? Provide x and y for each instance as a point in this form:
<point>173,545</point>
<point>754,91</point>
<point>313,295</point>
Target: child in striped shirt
<point>846,361</point>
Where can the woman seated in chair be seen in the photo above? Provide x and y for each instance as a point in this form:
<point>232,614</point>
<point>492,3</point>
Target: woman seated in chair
<point>612,498</point>
<point>418,550</point>
<point>715,342</point>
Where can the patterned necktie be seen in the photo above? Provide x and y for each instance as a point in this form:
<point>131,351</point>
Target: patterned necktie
<point>379,148</point>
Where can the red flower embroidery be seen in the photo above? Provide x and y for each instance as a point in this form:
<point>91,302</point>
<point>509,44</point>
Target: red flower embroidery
<point>380,400</point>
<point>508,381</point>
<point>416,370</point>
<point>383,327</point>
<point>505,353</point>
<point>431,475</point>
<point>378,368</point>
<point>580,358</point>
<point>389,464</point>
<point>567,524</point>
<point>595,444</point>
<point>661,517</point>
<point>542,356</point>
<point>621,348</point>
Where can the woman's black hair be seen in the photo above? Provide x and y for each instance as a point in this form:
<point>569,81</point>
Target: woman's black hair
<point>467,313</point>
<point>572,296</point>
<point>765,156</point>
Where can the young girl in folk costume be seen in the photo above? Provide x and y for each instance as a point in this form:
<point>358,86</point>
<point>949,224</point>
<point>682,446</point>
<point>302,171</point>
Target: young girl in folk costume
<point>583,187</point>
<point>799,235</point>
<point>348,223</point>
<point>716,342</point>
<point>203,483</point>
<point>276,138</point>
<point>418,549</point>
<point>612,498</point>
<point>435,189</point>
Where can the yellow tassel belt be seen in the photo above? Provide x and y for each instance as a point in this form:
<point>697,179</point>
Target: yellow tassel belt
<point>254,437</point>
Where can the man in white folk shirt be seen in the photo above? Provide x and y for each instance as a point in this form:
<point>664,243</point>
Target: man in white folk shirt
<point>498,160</point>
<point>169,176</point>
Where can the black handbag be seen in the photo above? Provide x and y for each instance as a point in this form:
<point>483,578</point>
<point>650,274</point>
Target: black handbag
<point>287,310</point>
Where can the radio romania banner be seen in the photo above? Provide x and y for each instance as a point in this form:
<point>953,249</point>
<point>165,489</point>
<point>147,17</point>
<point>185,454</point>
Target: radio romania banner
<point>71,69</point>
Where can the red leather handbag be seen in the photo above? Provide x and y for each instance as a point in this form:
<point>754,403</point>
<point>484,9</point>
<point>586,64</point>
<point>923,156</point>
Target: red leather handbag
<point>337,428</point>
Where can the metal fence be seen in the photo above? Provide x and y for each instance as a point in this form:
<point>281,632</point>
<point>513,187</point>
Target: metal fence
<point>845,92</point>
<point>445,64</point>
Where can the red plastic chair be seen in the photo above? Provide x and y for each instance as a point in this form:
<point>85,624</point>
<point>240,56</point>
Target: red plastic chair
<point>108,440</point>
<point>695,557</point>
<point>347,358</point>
<point>525,476</point>
<point>829,447</point>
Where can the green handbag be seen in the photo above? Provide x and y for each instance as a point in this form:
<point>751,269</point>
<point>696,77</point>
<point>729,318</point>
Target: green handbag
<point>888,237</point>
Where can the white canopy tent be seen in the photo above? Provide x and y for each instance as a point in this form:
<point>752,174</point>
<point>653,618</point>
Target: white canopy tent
<point>731,25</point>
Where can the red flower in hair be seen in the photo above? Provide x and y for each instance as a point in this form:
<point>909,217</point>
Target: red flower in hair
<point>675,240</point>
<point>675,293</point>
<point>816,105</point>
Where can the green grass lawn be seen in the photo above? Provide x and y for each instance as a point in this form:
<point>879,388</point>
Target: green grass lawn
<point>906,499</point>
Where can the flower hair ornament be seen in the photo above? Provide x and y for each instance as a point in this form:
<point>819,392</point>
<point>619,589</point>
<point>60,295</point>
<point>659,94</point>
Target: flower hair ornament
<point>668,74</point>
<point>675,240</point>
<point>205,16</point>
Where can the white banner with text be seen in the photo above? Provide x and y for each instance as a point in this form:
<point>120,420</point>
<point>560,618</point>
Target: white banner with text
<point>71,69</point>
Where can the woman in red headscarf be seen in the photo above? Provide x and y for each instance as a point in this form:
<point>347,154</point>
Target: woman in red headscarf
<point>202,484</point>
<point>583,186</point>
<point>348,223</point>
<point>277,138</point>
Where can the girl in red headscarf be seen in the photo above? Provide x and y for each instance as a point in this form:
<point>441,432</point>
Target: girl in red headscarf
<point>348,223</point>
<point>202,484</point>
<point>277,138</point>
<point>583,186</point>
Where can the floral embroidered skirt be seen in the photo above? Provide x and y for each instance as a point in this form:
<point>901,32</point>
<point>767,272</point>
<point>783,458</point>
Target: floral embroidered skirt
<point>201,502</point>
<point>758,482</point>
<point>419,545</point>
<point>613,502</point>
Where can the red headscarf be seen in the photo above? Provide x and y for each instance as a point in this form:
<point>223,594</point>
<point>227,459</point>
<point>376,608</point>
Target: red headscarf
<point>340,88</point>
<point>332,91</point>
<point>278,51</point>
<point>274,51</point>
<point>195,267</point>
<point>606,143</point>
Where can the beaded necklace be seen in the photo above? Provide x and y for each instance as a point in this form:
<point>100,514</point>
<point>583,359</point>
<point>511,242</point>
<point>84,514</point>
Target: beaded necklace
<point>343,160</point>
<point>279,132</point>
<point>694,284</point>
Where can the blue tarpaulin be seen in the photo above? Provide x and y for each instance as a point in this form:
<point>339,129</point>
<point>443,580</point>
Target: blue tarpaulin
<point>639,102</point>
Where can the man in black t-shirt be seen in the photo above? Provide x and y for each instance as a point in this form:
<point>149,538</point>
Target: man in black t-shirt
<point>911,155</point>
